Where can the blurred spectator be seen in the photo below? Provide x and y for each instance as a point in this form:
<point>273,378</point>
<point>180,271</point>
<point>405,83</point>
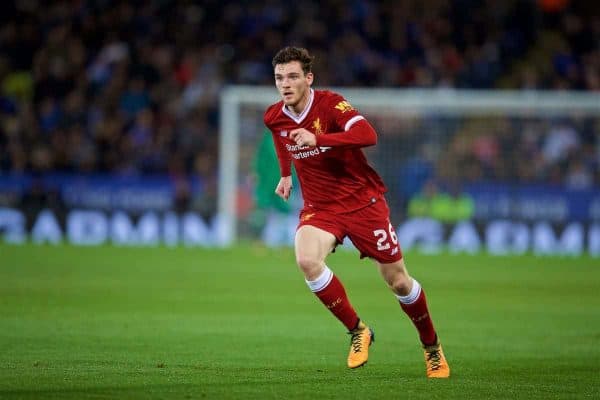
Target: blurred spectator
<point>445,206</point>
<point>560,141</point>
<point>578,176</point>
<point>420,205</point>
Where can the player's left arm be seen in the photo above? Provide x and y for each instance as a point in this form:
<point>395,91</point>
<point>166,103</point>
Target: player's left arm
<point>348,128</point>
<point>359,134</point>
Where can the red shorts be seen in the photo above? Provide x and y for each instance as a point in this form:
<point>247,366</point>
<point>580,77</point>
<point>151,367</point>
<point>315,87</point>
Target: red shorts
<point>369,229</point>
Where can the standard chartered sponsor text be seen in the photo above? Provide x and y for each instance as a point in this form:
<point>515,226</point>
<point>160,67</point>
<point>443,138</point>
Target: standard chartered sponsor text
<point>302,154</point>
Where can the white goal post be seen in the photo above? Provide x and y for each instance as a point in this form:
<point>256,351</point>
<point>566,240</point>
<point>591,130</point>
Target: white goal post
<point>392,102</point>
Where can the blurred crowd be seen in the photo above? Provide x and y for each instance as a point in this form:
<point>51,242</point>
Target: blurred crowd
<point>454,153</point>
<point>132,87</point>
<point>557,151</point>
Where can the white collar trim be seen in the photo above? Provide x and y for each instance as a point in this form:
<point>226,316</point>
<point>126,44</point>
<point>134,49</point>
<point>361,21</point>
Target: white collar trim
<point>304,112</point>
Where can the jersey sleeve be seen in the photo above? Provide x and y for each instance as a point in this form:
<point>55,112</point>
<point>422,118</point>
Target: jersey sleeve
<point>351,128</point>
<point>360,134</point>
<point>343,113</point>
<point>283,156</point>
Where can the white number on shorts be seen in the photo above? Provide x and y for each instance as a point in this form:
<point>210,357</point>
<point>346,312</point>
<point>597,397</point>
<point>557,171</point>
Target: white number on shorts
<point>382,238</point>
<point>382,243</point>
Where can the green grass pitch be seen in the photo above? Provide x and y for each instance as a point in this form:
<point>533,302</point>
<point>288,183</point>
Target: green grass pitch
<point>240,323</point>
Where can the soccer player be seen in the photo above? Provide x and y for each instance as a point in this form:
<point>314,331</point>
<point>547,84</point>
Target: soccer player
<point>322,135</point>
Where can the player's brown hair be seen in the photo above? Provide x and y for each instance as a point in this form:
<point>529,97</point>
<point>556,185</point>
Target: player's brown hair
<point>289,54</point>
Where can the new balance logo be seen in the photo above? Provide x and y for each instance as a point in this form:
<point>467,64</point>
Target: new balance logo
<point>306,216</point>
<point>394,251</point>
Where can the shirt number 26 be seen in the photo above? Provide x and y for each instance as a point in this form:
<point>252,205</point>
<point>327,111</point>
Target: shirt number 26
<point>383,241</point>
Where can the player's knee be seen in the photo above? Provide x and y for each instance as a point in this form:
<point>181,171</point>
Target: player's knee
<point>400,284</point>
<point>310,265</point>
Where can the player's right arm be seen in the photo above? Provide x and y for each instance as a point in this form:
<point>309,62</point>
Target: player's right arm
<point>284,157</point>
<point>284,187</point>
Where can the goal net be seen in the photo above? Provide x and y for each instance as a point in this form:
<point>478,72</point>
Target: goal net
<point>498,171</point>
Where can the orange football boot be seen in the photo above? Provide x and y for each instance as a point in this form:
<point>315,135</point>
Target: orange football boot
<point>435,361</point>
<point>360,340</point>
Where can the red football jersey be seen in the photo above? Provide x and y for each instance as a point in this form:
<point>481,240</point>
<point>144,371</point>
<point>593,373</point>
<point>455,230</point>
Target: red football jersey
<point>333,178</point>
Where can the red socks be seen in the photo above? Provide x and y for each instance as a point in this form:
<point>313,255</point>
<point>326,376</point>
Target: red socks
<point>332,294</point>
<point>415,306</point>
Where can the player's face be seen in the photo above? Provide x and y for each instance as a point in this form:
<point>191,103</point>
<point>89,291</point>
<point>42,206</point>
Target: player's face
<point>293,84</point>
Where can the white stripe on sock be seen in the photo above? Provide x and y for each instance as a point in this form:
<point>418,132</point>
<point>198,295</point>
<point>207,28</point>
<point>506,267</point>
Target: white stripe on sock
<point>412,296</point>
<point>321,282</point>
